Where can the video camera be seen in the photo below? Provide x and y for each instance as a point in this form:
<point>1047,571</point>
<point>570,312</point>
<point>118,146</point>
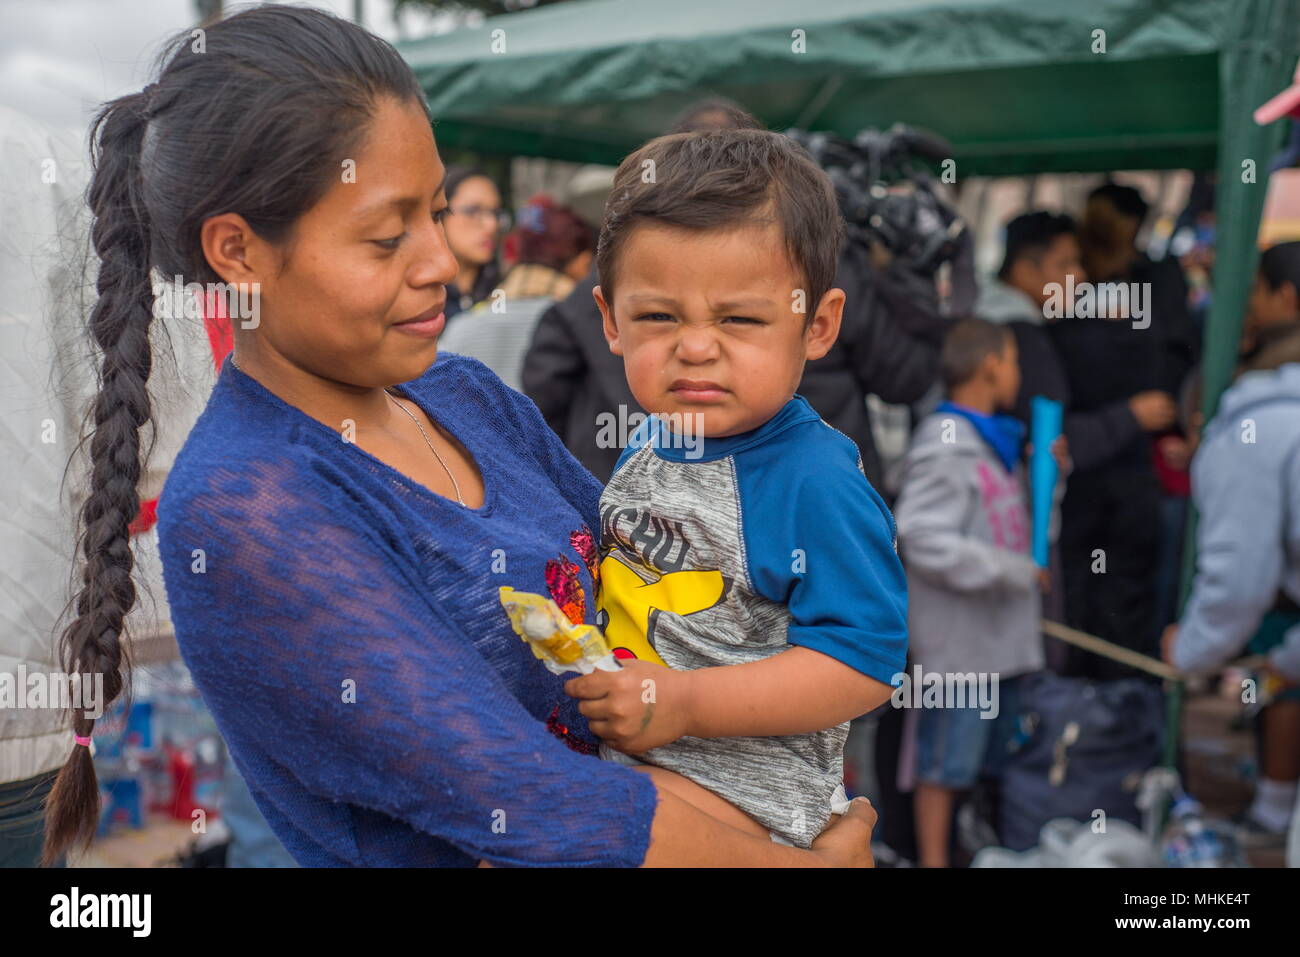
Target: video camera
<point>886,195</point>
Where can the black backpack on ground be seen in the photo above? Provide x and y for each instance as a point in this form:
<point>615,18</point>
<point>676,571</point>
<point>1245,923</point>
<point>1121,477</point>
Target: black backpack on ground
<point>1088,745</point>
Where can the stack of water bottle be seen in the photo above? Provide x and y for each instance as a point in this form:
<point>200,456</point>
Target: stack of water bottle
<point>159,757</point>
<point>1193,840</point>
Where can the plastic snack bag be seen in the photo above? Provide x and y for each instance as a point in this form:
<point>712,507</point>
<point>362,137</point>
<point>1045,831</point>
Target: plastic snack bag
<point>561,645</point>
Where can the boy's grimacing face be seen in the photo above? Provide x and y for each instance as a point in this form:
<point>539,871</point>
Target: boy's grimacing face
<point>706,323</point>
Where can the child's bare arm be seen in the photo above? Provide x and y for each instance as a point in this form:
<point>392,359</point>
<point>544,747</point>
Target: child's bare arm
<point>644,706</point>
<point>794,692</point>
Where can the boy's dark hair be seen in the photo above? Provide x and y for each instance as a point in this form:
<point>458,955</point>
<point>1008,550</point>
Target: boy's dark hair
<point>1126,200</point>
<point>1030,235</point>
<point>724,178</point>
<point>968,343</point>
<point>255,123</point>
<point>1279,264</point>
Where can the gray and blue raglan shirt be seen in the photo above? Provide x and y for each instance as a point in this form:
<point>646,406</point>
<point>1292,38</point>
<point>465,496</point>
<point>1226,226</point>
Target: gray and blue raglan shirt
<point>728,550</point>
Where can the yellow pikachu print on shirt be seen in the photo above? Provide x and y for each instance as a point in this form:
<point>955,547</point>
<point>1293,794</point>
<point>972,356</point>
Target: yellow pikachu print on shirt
<point>630,604</point>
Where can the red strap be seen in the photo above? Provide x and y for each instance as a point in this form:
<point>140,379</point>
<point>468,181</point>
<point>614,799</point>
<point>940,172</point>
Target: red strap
<point>221,340</point>
<point>146,518</point>
<point>217,322</point>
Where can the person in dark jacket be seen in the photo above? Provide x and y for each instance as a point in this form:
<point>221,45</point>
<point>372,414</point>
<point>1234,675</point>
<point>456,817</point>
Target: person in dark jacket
<point>1112,517</point>
<point>1042,249</point>
<point>1112,220</point>
<point>888,346</point>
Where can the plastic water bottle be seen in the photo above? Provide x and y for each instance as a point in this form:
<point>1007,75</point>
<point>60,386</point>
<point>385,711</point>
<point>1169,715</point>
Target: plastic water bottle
<point>1192,840</point>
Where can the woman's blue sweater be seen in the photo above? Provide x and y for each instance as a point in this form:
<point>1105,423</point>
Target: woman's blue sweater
<point>343,626</point>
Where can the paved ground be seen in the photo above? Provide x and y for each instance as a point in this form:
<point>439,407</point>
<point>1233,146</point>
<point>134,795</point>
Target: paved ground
<point>155,845</point>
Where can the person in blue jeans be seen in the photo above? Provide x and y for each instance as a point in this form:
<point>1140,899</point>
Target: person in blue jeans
<point>22,821</point>
<point>975,591</point>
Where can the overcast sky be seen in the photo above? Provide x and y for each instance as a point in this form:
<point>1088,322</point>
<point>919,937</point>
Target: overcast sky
<point>60,58</point>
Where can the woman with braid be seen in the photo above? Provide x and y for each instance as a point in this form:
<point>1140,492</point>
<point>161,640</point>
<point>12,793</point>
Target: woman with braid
<point>335,531</point>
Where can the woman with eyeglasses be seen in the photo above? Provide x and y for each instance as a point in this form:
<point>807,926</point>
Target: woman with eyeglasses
<point>473,232</point>
<point>549,251</point>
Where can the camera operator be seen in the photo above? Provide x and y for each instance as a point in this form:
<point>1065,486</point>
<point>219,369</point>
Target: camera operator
<point>888,344</point>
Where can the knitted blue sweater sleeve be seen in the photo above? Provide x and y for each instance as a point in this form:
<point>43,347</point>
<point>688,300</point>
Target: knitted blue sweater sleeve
<point>306,636</point>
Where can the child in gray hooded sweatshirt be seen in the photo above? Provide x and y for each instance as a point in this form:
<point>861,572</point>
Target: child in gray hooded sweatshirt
<point>964,533</point>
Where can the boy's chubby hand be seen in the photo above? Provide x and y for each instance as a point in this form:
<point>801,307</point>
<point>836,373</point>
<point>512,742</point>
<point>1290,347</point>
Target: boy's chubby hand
<point>639,707</point>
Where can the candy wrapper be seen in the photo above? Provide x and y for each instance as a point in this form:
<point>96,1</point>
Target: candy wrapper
<point>561,645</point>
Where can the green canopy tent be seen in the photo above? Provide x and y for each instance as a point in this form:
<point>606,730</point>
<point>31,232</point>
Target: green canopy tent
<point>1017,87</point>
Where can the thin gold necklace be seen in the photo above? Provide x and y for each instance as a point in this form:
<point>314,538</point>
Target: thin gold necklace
<point>441,461</point>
